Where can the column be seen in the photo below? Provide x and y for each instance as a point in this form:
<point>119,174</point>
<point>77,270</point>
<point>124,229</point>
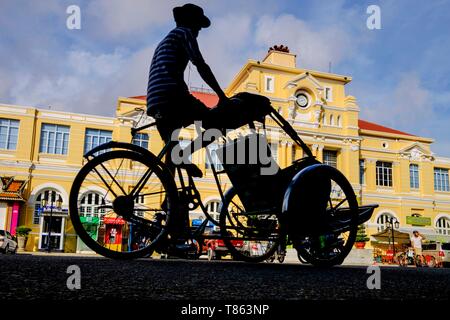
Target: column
<point>370,174</point>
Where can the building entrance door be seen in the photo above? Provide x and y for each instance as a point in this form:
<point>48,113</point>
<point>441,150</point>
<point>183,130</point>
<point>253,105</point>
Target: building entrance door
<point>56,234</point>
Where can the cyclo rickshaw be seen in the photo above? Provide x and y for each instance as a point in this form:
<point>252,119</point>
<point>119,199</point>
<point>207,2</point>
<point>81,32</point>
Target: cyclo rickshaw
<point>139,207</point>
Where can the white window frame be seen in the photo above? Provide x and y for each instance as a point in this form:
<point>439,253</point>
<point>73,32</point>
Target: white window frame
<point>100,135</point>
<point>272,89</point>
<point>329,97</point>
<point>443,226</point>
<point>96,199</point>
<point>414,180</point>
<point>362,171</point>
<point>11,124</point>
<point>212,207</point>
<point>382,219</point>
<point>41,217</point>
<point>441,179</point>
<point>215,161</point>
<point>328,161</point>
<point>274,150</point>
<point>141,140</point>
<point>384,178</point>
<point>47,146</point>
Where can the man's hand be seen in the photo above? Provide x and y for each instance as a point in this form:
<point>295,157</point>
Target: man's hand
<point>224,101</point>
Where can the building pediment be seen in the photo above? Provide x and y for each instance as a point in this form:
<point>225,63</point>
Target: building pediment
<point>416,152</point>
<point>294,83</point>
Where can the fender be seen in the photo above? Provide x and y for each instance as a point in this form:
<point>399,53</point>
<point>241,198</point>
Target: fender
<point>298,178</point>
<point>127,146</point>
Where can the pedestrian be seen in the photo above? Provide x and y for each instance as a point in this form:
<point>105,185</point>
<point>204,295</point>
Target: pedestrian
<point>416,242</point>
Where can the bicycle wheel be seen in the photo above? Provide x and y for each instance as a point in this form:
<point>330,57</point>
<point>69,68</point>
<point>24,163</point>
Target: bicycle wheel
<point>331,232</point>
<point>252,237</point>
<point>114,218</point>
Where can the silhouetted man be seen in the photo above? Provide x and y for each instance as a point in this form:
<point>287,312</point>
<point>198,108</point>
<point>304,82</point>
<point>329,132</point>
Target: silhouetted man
<point>168,97</point>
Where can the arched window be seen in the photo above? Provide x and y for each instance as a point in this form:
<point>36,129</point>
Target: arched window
<point>443,226</point>
<point>382,220</point>
<point>324,119</point>
<point>47,212</point>
<point>46,194</point>
<point>89,205</point>
<point>331,120</point>
<point>212,207</point>
<point>338,121</point>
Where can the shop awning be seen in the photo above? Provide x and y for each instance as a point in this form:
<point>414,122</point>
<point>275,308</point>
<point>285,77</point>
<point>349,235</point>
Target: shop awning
<point>117,220</point>
<point>385,236</point>
<point>11,196</point>
<point>11,189</point>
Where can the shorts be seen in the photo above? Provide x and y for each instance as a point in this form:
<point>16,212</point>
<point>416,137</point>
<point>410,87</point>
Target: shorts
<point>181,111</point>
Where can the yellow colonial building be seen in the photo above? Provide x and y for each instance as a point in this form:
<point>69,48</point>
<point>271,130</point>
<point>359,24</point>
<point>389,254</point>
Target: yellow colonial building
<point>43,150</point>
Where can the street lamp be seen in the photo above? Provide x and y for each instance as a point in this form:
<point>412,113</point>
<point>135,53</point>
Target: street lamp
<point>393,223</point>
<point>44,203</point>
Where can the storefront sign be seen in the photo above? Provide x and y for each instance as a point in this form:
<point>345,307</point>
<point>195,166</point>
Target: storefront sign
<point>91,220</point>
<point>107,220</point>
<point>53,210</point>
<point>418,221</point>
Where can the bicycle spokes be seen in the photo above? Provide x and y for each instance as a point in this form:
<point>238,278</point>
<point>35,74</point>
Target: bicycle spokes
<point>117,215</point>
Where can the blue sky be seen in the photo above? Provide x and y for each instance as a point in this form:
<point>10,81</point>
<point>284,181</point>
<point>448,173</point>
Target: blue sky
<point>400,73</point>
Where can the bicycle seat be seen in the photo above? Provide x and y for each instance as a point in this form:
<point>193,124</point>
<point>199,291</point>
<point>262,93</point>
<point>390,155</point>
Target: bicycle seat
<point>192,170</point>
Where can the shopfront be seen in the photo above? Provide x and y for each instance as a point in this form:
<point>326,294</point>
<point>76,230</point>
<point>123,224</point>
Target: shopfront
<point>92,225</point>
<point>115,229</point>
<point>389,242</point>
<point>52,227</point>
<point>11,200</point>
<point>52,221</point>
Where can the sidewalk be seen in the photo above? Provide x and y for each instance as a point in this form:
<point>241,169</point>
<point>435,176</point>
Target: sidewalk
<point>58,254</point>
<point>291,257</point>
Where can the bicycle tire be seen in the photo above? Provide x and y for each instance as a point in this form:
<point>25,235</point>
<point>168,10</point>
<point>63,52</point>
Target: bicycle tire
<point>336,176</point>
<point>164,176</point>
<point>225,228</point>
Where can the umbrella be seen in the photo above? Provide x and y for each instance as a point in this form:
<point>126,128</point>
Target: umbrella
<point>385,236</point>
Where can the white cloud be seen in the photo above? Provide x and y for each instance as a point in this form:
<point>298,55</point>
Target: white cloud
<point>315,48</point>
<point>403,106</point>
<point>407,106</point>
<point>118,18</point>
<point>225,47</point>
<point>90,84</point>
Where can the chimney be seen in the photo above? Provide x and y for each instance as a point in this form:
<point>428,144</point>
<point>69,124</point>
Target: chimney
<point>280,56</point>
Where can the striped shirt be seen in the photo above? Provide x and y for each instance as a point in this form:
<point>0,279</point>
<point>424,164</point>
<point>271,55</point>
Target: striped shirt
<point>169,61</point>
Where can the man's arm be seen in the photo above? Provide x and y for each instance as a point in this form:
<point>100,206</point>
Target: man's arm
<point>203,69</point>
<point>205,72</point>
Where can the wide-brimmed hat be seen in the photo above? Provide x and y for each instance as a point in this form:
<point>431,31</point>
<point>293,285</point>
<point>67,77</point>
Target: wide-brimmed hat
<point>191,15</point>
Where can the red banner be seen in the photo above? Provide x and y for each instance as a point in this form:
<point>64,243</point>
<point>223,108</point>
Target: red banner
<point>113,220</point>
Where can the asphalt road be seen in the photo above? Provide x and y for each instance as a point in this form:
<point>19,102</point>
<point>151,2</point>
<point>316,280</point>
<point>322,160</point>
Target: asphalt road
<point>28,277</point>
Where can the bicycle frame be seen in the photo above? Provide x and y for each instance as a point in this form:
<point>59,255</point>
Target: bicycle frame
<point>195,145</point>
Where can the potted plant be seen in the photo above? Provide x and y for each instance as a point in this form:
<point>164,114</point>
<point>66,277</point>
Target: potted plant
<point>361,237</point>
<point>22,236</point>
